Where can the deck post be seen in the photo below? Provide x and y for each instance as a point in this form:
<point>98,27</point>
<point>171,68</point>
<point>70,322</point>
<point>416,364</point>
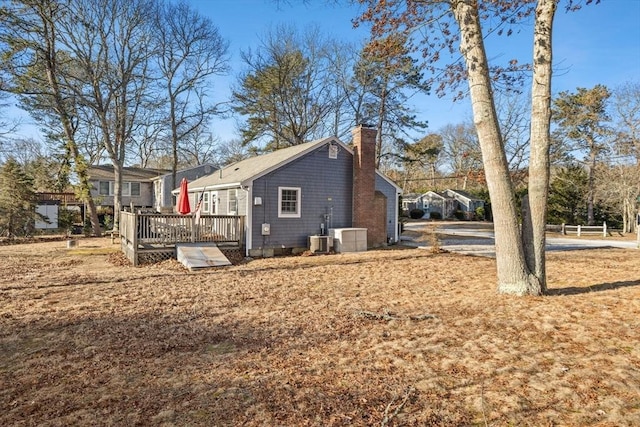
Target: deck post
<point>135,238</point>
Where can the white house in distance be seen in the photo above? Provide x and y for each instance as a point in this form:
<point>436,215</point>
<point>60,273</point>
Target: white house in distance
<point>445,203</point>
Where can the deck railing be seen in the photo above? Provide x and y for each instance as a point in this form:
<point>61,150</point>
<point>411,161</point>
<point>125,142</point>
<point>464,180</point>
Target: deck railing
<point>154,231</point>
<point>63,198</point>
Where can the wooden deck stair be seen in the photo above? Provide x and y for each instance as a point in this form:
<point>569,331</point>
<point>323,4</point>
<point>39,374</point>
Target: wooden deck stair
<point>196,256</point>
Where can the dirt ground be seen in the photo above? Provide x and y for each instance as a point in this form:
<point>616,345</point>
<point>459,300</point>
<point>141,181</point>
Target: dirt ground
<point>387,337</point>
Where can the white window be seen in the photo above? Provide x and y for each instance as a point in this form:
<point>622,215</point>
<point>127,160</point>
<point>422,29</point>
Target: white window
<point>289,202</point>
<point>106,188</point>
<point>126,189</point>
<point>232,204</point>
<point>214,202</point>
<point>205,202</point>
<point>135,188</point>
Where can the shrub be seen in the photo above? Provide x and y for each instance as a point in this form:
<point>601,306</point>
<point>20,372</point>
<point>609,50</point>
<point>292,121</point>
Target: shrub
<point>480,213</point>
<point>458,215</point>
<point>435,215</point>
<point>416,213</point>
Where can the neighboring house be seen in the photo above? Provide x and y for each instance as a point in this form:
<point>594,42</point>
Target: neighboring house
<point>467,203</point>
<point>291,194</point>
<point>137,185</point>
<point>164,200</point>
<point>448,202</point>
<point>439,202</point>
<point>411,201</point>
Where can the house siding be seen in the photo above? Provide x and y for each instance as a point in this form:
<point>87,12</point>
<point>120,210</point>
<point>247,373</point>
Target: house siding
<point>144,200</point>
<point>392,205</point>
<point>164,195</point>
<point>325,186</point>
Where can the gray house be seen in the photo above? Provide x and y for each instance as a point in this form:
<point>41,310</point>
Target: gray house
<point>447,202</point>
<point>137,184</point>
<point>411,201</point>
<point>305,190</point>
<point>439,202</point>
<point>164,200</point>
<point>467,202</point>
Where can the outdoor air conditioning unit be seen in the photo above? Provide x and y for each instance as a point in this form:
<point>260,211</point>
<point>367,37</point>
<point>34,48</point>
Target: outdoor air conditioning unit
<point>320,244</point>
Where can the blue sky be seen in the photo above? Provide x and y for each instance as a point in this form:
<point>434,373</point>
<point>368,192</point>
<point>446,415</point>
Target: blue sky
<point>599,44</point>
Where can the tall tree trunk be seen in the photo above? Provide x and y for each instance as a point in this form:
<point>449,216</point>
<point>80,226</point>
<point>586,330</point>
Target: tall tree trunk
<point>513,274</point>
<point>174,138</point>
<point>535,203</point>
<point>117,194</point>
<point>593,159</point>
<point>46,13</point>
<point>382,111</point>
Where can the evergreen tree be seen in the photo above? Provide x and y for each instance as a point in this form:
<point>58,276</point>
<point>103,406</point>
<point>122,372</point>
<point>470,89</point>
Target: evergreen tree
<point>568,196</point>
<point>286,95</point>
<point>582,118</point>
<point>17,201</point>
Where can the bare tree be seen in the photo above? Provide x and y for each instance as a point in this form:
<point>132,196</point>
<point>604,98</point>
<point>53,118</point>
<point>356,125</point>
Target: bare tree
<point>32,38</point>
<point>110,42</point>
<point>7,126</point>
<point>233,151</point>
<point>190,51</point>
<point>626,114</point>
<point>514,113</point>
<point>461,152</point>
<point>199,148</point>
<point>618,182</point>
<point>519,251</point>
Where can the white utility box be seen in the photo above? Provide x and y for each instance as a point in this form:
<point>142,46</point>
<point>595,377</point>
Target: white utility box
<point>349,239</point>
<point>320,244</point>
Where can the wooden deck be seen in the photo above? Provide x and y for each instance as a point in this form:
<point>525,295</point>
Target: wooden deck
<point>152,237</point>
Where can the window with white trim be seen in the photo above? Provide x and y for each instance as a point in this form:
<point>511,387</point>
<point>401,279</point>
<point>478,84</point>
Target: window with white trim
<point>232,202</point>
<point>214,202</point>
<point>134,188</point>
<point>289,202</point>
<point>205,202</point>
<point>107,188</point>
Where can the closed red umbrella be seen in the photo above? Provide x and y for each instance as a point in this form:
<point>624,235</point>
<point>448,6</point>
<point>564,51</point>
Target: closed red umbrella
<point>183,207</point>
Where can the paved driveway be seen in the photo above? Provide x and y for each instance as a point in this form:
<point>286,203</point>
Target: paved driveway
<point>478,239</point>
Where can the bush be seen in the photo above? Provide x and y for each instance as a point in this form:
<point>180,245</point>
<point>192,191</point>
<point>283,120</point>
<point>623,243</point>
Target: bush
<point>416,213</point>
<point>435,215</point>
<point>480,213</point>
<point>459,215</point>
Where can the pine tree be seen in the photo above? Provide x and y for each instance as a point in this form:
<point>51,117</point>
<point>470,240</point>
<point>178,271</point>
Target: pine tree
<point>568,196</point>
<point>17,201</point>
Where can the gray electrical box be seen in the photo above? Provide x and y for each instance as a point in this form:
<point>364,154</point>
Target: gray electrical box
<point>266,229</point>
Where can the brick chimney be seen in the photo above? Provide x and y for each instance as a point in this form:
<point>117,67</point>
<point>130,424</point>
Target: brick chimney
<point>369,207</point>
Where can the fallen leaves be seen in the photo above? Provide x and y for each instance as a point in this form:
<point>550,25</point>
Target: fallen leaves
<point>393,337</point>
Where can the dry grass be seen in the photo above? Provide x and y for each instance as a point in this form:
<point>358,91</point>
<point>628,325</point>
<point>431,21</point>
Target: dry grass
<point>85,340</point>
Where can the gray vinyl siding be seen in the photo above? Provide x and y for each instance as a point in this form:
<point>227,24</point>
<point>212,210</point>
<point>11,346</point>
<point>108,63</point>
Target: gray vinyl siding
<point>325,186</point>
<point>191,175</point>
<point>145,199</point>
<point>392,206</point>
<point>223,201</point>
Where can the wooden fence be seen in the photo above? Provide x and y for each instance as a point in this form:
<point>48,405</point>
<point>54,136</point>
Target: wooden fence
<point>153,236</point>
<point>579,230</point>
